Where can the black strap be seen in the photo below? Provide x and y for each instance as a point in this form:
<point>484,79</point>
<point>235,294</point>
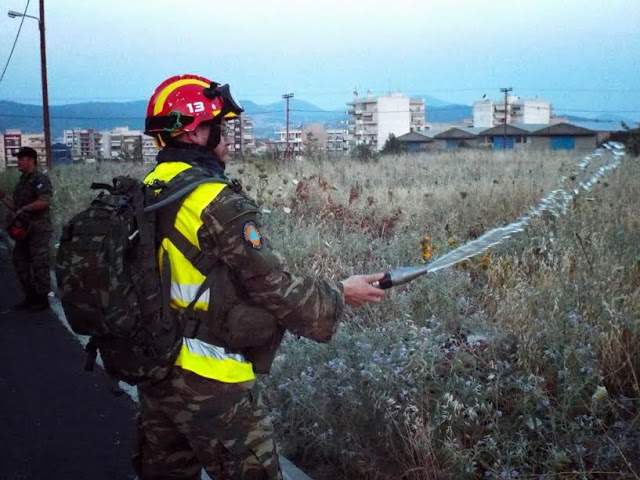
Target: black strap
<point>169,123</point>
<point>183,192</point>
<point>166,221</point>
<point>166,288</point>
<point>102,186</point>
<point>192,322</point>
<point>203,263</point>
<point>92,353</point>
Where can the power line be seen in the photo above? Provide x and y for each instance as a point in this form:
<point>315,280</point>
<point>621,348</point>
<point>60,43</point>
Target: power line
<point>66,117</point>
<point>15,41</point>
<point>268,112</point>
<point>348,93</point>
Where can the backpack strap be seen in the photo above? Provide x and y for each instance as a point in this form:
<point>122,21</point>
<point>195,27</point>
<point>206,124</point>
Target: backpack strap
<point>92,352</point>
<point>192,318</point>
<point>171,193</point>
<point>177,189</point>
<point>180,191</point>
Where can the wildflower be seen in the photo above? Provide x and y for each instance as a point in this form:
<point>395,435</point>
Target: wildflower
<point>426,248</point>
<point>600,395</point>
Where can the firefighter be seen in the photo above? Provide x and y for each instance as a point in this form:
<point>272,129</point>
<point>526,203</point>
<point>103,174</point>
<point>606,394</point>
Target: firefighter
<point>209,412</point>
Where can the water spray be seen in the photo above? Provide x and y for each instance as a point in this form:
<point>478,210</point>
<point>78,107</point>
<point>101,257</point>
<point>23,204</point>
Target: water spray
<point>555,202</point>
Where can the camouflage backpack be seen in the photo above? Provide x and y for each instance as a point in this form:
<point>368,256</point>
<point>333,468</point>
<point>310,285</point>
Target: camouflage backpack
<point>111,287</point>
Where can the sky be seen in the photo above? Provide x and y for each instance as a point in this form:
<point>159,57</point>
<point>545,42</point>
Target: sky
<point>582,55</point>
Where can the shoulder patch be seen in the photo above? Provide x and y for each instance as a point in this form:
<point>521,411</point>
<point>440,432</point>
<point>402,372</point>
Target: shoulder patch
<point>252,235</point>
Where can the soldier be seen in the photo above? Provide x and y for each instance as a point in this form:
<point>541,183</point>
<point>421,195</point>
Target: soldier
<point>30,227</point>
<point>234,295</point>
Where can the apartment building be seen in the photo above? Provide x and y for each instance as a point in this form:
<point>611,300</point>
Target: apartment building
<point>373,119</point>
<point>314,138</point>
<point>337,141</point>
<point>296,136</point>
<point>3,160</point>
<point>488,114</point>
<point>11,142</point>
<point>122,143</point>
<point>241,140</point>
<point>84,143</point>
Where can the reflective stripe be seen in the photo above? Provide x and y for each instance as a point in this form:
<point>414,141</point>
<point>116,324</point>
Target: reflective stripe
<point>166,91</point>
<point>188,220</point>
<point>213,362</point>
<point>182,295</point>
<point>166,171</point>
<point>185,279</point>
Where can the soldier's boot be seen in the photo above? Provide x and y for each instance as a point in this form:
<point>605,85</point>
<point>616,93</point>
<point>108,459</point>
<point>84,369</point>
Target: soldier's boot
<point>40,302</point>
<point>29,299</point>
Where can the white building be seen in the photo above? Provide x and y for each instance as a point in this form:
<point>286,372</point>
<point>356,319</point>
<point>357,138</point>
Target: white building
<point>374,119</point>
<point>149,149</point>
<point>337,140</point>
<point>11,142</point>
<point>241,140</point>
<point>295,143</point>
<point>488,114</point>
<point>83,142</point>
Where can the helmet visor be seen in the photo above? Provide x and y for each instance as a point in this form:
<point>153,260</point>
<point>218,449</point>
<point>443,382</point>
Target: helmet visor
<point>230,106</point>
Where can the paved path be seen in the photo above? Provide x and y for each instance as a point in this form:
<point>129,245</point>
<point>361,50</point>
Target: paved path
<point>57,422</point>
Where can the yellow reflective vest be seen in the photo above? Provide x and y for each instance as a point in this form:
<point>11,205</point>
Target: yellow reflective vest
<point>202,358</point>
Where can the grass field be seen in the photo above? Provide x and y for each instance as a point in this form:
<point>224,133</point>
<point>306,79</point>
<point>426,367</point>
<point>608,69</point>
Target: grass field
<point>520,363</point>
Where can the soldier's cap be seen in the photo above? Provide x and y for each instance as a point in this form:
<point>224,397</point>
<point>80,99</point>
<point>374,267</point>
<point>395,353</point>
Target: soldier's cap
<point>26,152</point>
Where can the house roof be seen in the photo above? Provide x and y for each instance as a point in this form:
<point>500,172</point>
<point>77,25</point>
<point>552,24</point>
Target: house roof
<point>460,132</point>
<point>511,129</point>
<point>562,128</point>
<point>415,137</point>
<point>600,126</point>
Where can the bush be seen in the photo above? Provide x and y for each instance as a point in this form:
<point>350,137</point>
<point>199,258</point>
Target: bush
<point>393,146</point>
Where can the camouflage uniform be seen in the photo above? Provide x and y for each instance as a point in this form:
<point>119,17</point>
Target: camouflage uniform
<point>187,420</point>
<point>31,255</point>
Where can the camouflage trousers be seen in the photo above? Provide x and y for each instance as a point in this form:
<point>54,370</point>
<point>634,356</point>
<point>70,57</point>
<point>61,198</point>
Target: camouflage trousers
<point>31,261</point>
<point>188,422</point>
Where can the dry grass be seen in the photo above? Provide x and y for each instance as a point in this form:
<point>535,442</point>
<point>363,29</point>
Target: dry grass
<point>522,363</point>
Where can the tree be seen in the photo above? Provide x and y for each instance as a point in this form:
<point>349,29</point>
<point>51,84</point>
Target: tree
<point>137,151</point>
<point>311,145</point>
<point>630,137</point>
<point>363,152</point>
<point>393,146</point>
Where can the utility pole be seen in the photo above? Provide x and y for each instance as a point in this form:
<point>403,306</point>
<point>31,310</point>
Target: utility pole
<point>45,90</point>
<point>43,71</point>
<point>287,96</point>
<point>506,105</point>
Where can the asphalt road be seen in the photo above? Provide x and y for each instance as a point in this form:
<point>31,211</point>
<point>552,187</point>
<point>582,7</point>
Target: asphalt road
<point>57,421</point>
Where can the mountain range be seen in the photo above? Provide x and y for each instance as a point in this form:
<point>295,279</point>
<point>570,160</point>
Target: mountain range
<point>267,119</point>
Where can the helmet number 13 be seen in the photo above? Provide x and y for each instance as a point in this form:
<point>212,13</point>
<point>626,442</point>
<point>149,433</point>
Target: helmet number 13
<point>195,107</point>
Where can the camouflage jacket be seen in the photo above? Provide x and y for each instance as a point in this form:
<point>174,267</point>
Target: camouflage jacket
<point>31,187</point>
<point>232,232</point>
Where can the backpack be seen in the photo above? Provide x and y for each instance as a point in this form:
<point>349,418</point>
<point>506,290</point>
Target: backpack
<point>110,283</point>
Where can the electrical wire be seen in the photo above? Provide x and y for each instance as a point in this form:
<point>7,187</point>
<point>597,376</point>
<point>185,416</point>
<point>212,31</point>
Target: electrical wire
<point>15,41</point>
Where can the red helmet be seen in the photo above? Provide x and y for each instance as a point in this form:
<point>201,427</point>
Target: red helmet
<point>19,226</point>
<point>183,102</point>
